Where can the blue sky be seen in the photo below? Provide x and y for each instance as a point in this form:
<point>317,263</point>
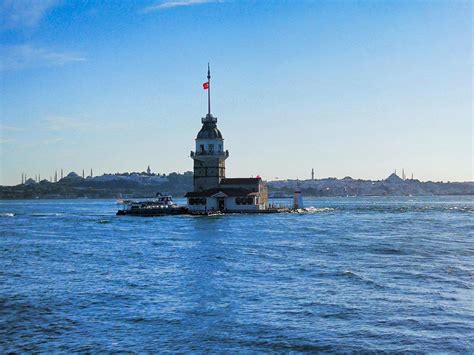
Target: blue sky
<point>354,88</point>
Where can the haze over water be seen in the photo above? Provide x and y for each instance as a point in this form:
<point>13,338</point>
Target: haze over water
<point>382,274</point>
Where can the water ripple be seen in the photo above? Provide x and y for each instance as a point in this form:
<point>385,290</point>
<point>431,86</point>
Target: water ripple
<point>346,275</point>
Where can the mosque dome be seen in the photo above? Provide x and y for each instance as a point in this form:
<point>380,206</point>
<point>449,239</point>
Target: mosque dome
<point>30,181</point>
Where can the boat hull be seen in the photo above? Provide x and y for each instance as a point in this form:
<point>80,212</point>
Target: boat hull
<point>153,212</point>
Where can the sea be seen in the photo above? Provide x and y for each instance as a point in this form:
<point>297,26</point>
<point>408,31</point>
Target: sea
<point>361,274</point>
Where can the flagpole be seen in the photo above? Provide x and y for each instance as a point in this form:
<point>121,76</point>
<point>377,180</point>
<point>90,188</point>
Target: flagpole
<point>208,90</point>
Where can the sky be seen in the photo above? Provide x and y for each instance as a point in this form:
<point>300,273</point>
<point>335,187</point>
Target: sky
<point>349,88</point>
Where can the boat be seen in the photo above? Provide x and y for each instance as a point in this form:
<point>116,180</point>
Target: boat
<point>160,205</point>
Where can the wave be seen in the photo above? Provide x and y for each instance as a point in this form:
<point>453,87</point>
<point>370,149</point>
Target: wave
<point>7,214</point>
<point>47,214</point>
<point>311,209</point>
<point>387,250</point>
<point>405,209</point>
<point>354,275</point>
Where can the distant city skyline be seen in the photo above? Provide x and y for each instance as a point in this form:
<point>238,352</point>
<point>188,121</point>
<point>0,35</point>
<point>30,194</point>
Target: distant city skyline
<point>148,171</point>
<point>347,88</point>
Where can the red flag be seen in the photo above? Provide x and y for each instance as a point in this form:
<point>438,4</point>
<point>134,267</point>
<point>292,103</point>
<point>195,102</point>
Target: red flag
<point>205,86</point>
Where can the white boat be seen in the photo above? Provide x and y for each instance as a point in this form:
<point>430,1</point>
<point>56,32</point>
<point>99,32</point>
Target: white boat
<point>152,206</point>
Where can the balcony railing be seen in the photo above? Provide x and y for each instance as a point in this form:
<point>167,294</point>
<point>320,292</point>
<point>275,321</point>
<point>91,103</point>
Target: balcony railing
<point>210,153</point>
<point>209,118</point>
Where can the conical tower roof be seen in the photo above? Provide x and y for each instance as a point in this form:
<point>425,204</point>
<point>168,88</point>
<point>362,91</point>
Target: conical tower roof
<point>209,130</point>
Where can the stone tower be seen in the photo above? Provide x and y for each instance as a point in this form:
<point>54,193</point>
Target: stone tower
<point>209,156</point>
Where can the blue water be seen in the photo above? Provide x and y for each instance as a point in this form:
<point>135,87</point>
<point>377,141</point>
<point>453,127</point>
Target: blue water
<point>355,274</point>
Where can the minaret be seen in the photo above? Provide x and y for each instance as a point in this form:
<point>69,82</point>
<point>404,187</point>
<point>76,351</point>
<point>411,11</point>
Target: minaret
<point>148,170</point>
<point>312,174</point>
<point>55,176</point>
<point>209,156</point>
<point>91,173</point>
<point>83,175</point>
<point>62,173</point>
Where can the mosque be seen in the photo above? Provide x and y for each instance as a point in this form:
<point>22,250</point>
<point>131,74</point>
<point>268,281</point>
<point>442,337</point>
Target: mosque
<point>212,191</point>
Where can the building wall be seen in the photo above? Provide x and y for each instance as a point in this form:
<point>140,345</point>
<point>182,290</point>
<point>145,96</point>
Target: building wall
<point>230,202</point>
<point>197,208</point>
<point>263,199</point>
<point>208,173</point>
<point>261,188</point>
<point>231,205</point>
<point>211,203</point>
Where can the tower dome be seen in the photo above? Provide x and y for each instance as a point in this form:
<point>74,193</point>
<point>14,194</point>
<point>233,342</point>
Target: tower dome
<point>209,130</point>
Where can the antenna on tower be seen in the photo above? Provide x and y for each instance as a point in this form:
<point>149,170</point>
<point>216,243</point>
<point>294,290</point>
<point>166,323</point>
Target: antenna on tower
<point>208,89</point>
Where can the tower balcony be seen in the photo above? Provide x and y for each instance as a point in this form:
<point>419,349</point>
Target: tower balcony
<point>209,154</point>
<point>209,119</point>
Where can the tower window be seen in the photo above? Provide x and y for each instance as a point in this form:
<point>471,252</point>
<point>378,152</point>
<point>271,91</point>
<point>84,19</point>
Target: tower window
<point>201,147</point>
<point>211,148</point>
<point>220,147</point>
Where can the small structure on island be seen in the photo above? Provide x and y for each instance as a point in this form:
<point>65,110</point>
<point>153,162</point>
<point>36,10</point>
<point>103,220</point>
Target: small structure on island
<point>212,191</point>
<point>297,200</point>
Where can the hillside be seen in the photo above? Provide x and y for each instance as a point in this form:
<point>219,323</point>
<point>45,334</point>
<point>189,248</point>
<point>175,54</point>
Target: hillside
<point>140,185</point>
